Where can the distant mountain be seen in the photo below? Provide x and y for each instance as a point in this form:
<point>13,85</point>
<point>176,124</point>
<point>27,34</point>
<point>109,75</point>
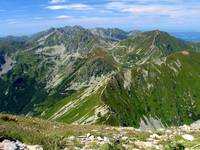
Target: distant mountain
<point>114,34</point>
<point>101,76</point>
<point>74,39</point>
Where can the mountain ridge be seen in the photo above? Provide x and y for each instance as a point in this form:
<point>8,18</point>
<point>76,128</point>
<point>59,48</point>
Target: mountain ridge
<point>74,75</point>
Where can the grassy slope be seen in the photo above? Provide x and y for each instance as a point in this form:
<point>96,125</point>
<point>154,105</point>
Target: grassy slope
<point>163,44</point>
<point>147,46</point>
<point>52,135</point>
<point>99,63</point>
<point>24,84</point>
<point>32,71</point>
<point>84,107</point>
<point>171,96</point>
<point>143,98</point>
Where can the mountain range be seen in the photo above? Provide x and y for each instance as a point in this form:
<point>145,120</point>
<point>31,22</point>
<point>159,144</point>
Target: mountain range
<point>101,76</point>
<point>187,36</point>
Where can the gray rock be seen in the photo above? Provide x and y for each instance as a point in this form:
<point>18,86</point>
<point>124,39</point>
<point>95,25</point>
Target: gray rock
<point>9,145</point>
<point>196,125</point>
<point>188,137</point>
<point>17,145</point>
<point>71,138</point>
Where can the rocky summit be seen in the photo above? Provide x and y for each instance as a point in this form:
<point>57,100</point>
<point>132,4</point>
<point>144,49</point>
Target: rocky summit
<point>109,77</point>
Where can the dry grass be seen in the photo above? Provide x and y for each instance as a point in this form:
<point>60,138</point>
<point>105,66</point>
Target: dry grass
<point>52,135</point>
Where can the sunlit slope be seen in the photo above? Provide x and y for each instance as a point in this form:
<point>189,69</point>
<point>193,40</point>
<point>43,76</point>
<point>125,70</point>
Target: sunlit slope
<point>146,46</point>
<point>74,75</point>
<point>165,89</point>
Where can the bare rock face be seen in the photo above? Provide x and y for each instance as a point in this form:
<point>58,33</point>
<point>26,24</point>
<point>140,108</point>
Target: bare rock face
<point>7,65</point>
<point>150,123</point>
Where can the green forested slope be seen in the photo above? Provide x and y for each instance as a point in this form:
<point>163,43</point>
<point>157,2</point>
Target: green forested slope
<point>74,75</point>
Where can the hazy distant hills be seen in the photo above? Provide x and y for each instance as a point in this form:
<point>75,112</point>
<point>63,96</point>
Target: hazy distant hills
<point>101,76</point>
<point>188,36</point>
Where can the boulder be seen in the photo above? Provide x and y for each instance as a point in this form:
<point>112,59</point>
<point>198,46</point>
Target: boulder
<point>15,145</point>
<point>88,135</point>
<point>195,125</point>
<point>8,145</point>
<point>91,137</point>
<point>155,136</point>
<point>72,138</point>
<point>185,128</point>
<point>106,140</point>
<point>34,147</point>
<point>143,145</point>
<point>188,137</point>
<point>124,138</point>
<point>99,138</point>
<point>168,131</point>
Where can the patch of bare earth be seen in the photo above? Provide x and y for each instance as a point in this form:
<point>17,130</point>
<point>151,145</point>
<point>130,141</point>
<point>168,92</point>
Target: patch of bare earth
<point>185,53</point>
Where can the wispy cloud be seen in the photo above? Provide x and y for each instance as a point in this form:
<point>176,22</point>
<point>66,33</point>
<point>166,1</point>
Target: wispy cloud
<point>12,21</point>
<point>70,7</point>
<point>56,1</point>
<point>152,9</point>
<point>125,7</point>
<point>63,17</point>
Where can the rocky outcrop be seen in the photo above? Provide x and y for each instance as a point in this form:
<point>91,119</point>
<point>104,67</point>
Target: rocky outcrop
<point>160,139</point>
<point>17,145</point>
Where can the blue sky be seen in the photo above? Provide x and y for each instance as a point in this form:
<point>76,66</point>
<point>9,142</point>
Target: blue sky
<point>24,17</point>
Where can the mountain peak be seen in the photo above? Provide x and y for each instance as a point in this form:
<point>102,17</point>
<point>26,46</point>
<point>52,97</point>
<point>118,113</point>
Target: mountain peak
<point>157,32</point>
<point>145,46</point>
<point>114,34</point>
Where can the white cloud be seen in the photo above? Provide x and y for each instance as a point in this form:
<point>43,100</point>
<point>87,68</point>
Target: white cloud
<point>152,9</point>
<point>70,7</point>
<point>13,21</point>
<point>63,17</point>
<point>56,1</point>
<point>125,7</point>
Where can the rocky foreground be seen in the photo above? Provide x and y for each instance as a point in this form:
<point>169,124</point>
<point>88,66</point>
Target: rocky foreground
<point>24,133</point>
<point>17,145</point>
